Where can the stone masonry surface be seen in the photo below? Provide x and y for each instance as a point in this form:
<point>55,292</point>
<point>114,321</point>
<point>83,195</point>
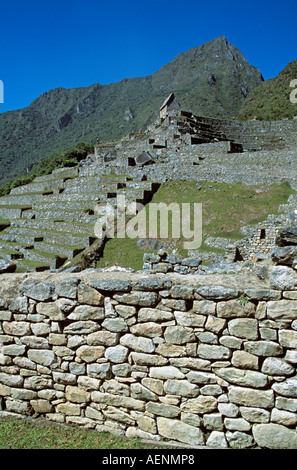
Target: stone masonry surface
<point>200,360</point>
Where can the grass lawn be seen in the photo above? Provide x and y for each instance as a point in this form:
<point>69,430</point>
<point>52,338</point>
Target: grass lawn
<point>226,207</point>
<point>19,433</point>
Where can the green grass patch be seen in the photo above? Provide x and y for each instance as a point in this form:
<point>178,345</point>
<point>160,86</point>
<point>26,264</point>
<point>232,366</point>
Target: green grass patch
<point>19,270</point>
<point>18,433</point>
<point>226,208</point>
<point>123,252</point>
<point>33,264</point>
<point>10,251</point>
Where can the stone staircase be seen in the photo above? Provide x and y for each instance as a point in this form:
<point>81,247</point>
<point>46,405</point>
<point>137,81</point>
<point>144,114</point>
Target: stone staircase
<point>47,222</point>
<point>198,130</point>
<point>252,135</point>
<point>259,135</point>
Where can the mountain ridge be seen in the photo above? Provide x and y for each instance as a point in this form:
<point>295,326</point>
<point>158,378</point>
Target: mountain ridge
<point>270,100</point>
<point>210,80</point>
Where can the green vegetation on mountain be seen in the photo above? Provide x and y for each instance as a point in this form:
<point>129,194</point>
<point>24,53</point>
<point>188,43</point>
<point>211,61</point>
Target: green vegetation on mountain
<point>68,158</point>
<point>270,101</point>
<point>211,80</point>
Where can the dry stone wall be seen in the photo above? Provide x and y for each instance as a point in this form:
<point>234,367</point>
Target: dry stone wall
<point>154,357</point>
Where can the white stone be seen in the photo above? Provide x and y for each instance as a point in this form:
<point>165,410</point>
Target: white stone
<point>182,432</point>
<point>283,278</point>
<point>274,436</point>
<point>117,354</point>
<point>217,440</point>
<point>137,343</point>
<point>166,372</point>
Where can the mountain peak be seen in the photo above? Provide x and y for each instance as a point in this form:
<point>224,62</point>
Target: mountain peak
<point>221,38</point>
<point>211,80</point>
<point>219,47</point>
<point>214,57</point>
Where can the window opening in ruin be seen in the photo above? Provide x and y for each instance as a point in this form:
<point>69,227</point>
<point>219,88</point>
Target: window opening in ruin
<point>262,234</point>
<point>238,256</point>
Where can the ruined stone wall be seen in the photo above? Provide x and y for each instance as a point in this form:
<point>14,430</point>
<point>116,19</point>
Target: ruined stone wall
<point>257,134</point>
<point>259,243</point>
<point>154,356</point>
<point>262,238</point>
<point>268,146</point>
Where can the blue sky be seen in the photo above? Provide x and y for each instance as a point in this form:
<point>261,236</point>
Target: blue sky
<point>71,43</point>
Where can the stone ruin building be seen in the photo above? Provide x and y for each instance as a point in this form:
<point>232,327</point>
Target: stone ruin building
<point>170,104</point>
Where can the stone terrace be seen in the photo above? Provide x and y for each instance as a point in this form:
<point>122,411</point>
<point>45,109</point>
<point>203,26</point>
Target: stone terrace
<point>188,147</point>
<point>52,219</point>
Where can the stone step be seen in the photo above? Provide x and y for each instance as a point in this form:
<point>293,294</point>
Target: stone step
<point>10,254</point>
<point>108,178</point>
<point>84,197</point>
<point>59,173</point>
<point>21,238</point>
<point>62,250</point>
<point>262,139</point>
<point>144,185</point>
<point>134,192</point>
<point>48,224</point>
<point>20,199</point>
<point>62,205</point>
<point>79,186</point>
<point>12,245</point>
<point>32,266</point>
<point>54,185</point>
<point>76,240</point>
<point>8,212</point>
<point>66,172</point>
<point>54,261</point>
<point>130,194</point>
<point>32,235</point>
<point>92,183</point>
<point>61,215</point>
<point>69,197</point>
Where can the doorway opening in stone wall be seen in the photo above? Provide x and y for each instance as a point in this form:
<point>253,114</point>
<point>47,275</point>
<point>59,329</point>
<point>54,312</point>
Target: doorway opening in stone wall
<point>262,234</point>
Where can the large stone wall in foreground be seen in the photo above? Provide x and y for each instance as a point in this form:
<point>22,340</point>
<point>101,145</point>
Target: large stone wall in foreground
<point>154,357</point>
